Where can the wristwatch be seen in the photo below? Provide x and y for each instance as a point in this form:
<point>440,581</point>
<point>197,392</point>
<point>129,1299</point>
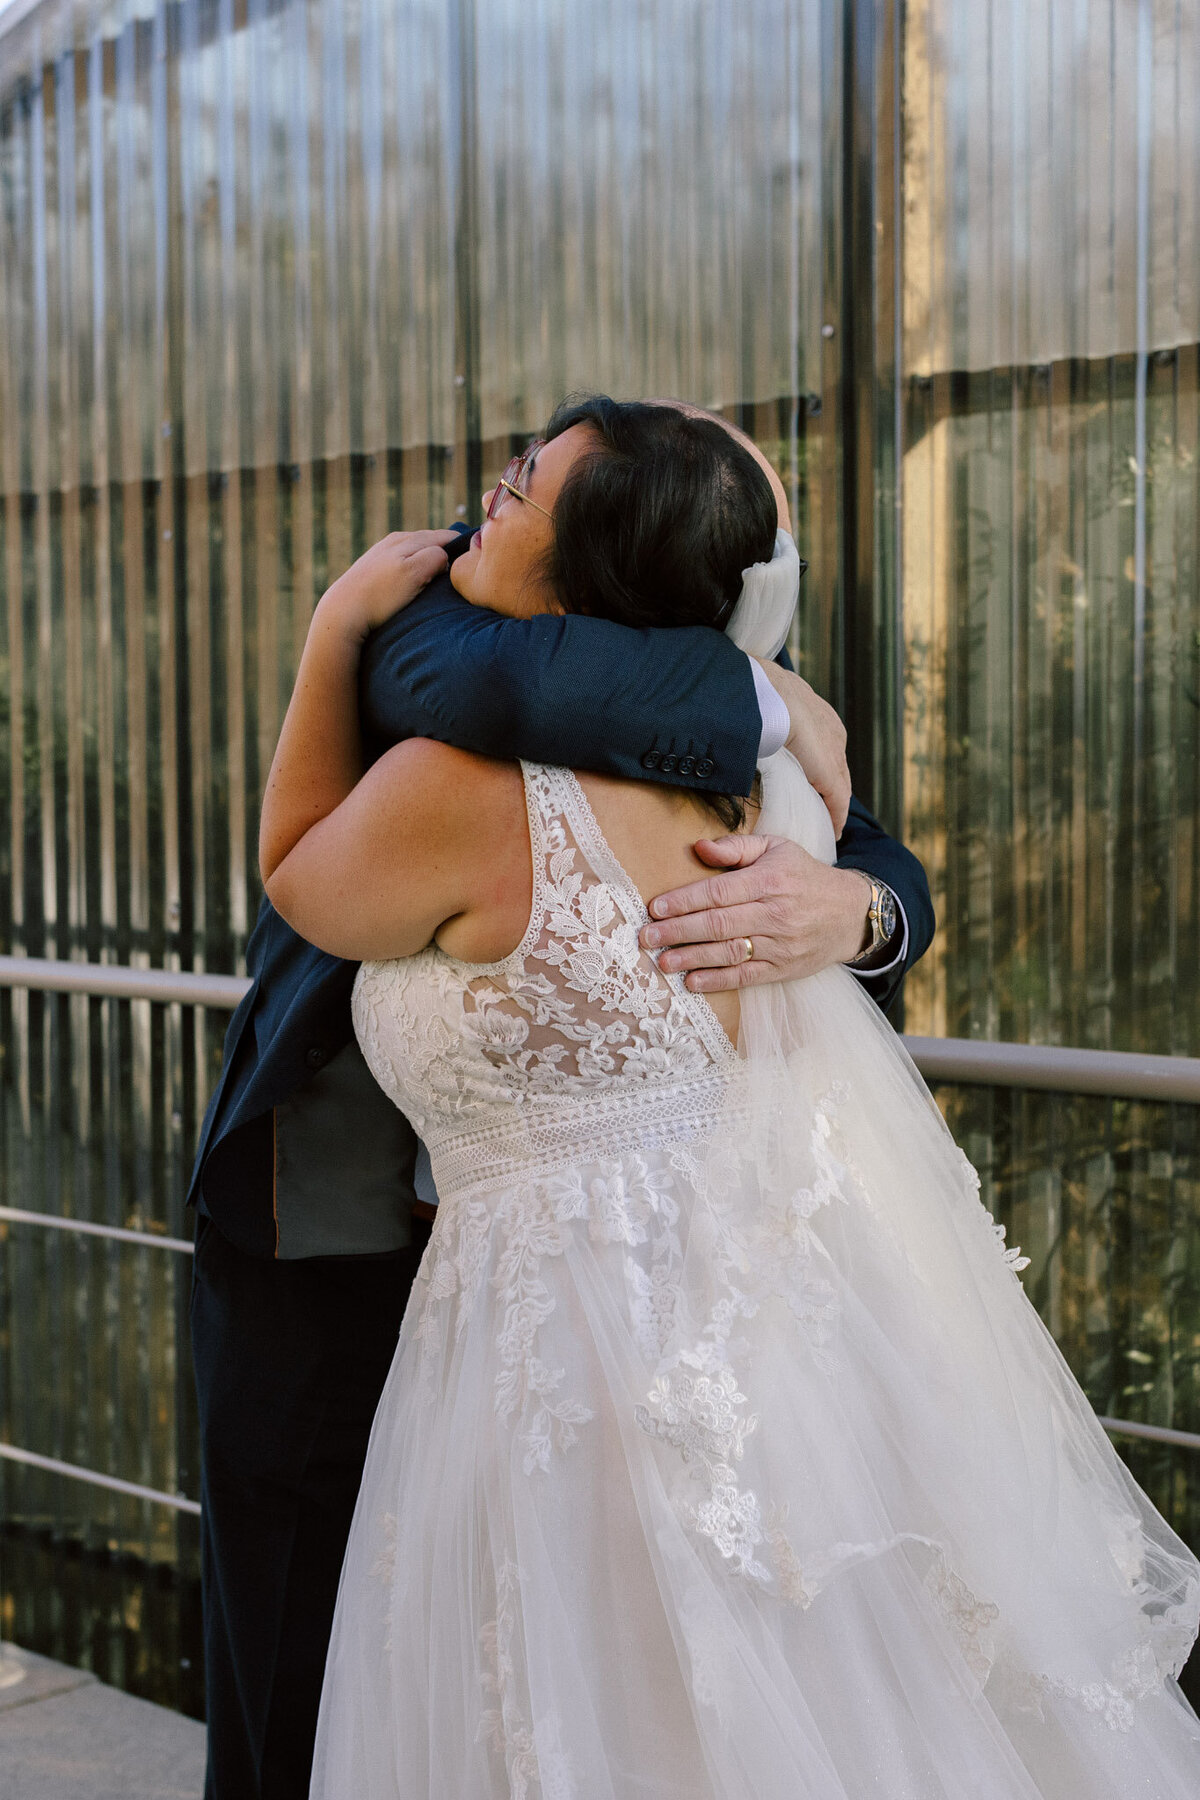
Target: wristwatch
<point>882,916</point>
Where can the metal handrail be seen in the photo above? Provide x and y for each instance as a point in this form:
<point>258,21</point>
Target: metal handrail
<point>117,981</point>
<point>972,1062</point>
<point>1057,1068</point>
<point>967,1061</point>
<point>1157,1434</point>
<point>94,1478</point>
<point>1161,1434</point>
<point>15,1215</point>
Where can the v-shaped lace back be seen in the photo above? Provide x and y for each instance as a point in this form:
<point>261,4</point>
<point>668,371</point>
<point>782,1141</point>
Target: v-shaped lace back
<point>575,1044</point>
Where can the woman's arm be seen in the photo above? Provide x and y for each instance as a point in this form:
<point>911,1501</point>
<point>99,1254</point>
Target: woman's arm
<point>319,756</point>
<point>429,834</point>
<point>361,864</point>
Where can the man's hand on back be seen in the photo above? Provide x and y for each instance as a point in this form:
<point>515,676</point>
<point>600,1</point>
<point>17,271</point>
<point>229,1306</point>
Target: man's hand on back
<point>800,915</point>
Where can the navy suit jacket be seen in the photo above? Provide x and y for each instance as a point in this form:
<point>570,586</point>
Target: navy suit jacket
<point>676,706</point>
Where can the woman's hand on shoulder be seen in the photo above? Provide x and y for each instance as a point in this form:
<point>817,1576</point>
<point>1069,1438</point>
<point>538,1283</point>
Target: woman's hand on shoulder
<point>386,577</point>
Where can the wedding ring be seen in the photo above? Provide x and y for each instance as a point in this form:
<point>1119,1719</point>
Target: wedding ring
<point>749,943</point>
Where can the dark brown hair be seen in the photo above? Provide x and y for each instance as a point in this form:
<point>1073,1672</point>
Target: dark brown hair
<point>655,525</point>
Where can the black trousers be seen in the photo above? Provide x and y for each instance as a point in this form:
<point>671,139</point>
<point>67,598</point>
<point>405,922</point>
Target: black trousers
<point>290,1361</point>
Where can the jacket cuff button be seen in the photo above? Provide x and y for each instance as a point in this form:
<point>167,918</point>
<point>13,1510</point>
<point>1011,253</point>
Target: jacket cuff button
<point>687,765</point>
<point>704,767</point>
<point>650,760</point>
<point>668,762</point>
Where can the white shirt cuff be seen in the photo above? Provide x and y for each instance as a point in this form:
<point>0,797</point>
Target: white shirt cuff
<point>897,960</point>
<point>776,720</point>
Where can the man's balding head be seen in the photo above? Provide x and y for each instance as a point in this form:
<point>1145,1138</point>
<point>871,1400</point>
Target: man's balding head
<point>747,443</point>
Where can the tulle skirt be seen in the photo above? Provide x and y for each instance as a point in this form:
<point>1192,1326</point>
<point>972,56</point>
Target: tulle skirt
<point>743,1468</point>
<point>738,1466</point>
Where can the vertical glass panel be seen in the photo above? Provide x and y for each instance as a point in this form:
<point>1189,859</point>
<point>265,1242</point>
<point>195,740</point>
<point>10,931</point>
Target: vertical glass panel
<point>645,194</point>
<point>1051,312</point>
<point>275,279</point>
<point>1050,317</point>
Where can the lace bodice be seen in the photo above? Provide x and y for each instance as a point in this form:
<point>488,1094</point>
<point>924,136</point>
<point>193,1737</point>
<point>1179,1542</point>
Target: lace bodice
<point>576,1045</point>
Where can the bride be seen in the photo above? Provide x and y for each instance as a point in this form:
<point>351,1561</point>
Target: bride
<point>722,1456</point>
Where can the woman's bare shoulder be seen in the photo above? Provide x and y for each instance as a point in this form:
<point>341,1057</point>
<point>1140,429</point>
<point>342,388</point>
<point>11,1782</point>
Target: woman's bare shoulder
<point>447,763</point>
<point>472,805</point>
<point>474,809</point>
<point>429,834</point>
<point>457,783</point>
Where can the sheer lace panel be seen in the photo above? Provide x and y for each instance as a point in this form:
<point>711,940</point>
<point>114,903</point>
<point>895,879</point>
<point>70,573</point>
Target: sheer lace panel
<point>576,1043</point>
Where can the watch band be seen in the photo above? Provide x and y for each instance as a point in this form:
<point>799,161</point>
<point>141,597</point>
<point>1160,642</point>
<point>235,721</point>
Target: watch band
<point>881,913</point>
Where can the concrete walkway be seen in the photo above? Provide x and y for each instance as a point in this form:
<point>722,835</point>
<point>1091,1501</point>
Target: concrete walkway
<point>65,1736</point>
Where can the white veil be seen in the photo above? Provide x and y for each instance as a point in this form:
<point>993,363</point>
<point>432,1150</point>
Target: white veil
<point>856,1308</point>
<point>759,625</point>
<point>763,615</point>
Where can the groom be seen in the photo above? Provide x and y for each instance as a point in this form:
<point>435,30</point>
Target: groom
<point>306,1241</point>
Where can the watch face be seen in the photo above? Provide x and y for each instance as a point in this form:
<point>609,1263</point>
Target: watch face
<point>887,912</point>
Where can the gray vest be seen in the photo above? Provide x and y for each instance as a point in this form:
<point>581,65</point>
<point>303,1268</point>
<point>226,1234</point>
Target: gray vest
<point>346,1165</point>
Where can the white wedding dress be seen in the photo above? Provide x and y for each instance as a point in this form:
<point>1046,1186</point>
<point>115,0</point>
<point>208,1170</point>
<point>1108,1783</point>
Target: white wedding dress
<point>723,1456</point>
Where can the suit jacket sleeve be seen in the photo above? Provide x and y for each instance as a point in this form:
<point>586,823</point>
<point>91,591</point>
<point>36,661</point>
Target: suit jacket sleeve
<point>583,693</point>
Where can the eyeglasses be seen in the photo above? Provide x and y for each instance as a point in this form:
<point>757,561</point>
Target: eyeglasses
<point>509,482</point>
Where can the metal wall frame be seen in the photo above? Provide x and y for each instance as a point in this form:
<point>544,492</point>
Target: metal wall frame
<point>870,411</point>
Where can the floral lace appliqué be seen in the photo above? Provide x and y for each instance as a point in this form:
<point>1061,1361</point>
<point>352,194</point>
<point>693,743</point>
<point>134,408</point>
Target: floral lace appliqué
<point>548,1087</point>
<point>528,1231</point>
<point>576,1045</point>
<point>1011,1254</point>
<point>534,1759</point>
<point>697,1411</point>
<point>568,1094</point>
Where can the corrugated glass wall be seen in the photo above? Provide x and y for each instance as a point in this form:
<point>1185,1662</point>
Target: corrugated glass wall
<point>277,277</point>
<point>1051,315</point>
<point>1048,341</point>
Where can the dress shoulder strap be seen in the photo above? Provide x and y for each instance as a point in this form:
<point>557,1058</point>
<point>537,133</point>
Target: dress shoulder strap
<point>547,798</point>
<point>561,819</point>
